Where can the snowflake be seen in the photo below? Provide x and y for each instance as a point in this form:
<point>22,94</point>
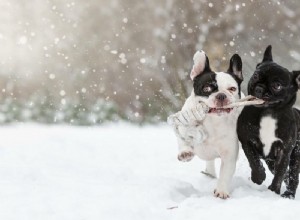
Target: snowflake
<point>22,40</point>
<point>163,59</point>
<point>62,93</point>
<point>143,60</point>
<point>51,76</point>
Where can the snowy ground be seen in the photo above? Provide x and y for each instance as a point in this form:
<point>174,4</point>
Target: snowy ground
<point>119,172</point>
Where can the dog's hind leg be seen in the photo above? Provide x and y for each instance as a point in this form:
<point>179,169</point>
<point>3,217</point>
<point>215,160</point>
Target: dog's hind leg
<point>271,165</point>
<point>293,177</point>
<point>281,166</point>
<point>210,169</point>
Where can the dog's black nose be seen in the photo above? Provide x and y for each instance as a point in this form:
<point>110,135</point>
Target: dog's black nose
<point>221,97</point>
<point>259,91</point>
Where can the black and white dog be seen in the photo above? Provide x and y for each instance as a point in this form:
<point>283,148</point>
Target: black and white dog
<point>216,130</point>
<point>271,131</point>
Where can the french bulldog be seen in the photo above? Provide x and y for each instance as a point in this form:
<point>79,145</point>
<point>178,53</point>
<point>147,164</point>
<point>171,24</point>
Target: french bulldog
<point>213,132</point>
<point>271,131</point>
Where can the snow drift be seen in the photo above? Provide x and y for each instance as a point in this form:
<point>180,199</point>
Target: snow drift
<point>119,172</point>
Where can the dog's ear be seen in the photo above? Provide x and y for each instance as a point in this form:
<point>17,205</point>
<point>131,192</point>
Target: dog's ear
<point>268,54</point>
<point>297,77</point>
<point>235,66</point>
<point>201,64</point>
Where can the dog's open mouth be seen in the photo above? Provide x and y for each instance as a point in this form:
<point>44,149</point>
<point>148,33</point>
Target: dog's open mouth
<point>220,110</point>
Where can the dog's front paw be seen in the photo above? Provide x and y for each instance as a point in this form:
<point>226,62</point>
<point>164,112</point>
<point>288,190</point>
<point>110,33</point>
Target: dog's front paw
<point>185,156</point>
<point>288,194</point>
<point>258,176</point>
<point>221,194</point>
<point>275,189</point>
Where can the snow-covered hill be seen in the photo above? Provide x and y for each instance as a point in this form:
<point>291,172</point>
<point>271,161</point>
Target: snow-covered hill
<point>119,172</point>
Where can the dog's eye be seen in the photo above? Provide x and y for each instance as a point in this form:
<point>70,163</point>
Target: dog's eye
<point>277,86</point>
<point>255,76</point>
<point>207,89</point>
<point>232,89</point>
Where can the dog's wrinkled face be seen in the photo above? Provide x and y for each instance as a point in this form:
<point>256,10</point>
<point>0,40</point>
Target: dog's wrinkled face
<point>218,89</point>
<point>273,83</point>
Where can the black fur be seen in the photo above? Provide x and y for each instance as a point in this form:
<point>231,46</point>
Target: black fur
<point>207,78</point>
<point>278,87</point>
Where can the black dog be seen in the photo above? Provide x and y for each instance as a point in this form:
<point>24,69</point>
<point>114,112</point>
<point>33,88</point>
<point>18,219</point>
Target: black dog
<point>271,131</point>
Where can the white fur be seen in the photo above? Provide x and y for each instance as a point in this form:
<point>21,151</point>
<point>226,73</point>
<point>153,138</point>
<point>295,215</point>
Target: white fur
<point>199,58</point>
<point>220,139</point>
<point>199,64</point>
<point>268,126</point>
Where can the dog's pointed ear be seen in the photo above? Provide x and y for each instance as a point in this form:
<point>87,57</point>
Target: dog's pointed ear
<point>235,66</point>
<point>201,64</point>
<point>297,78</point>
<point>268,54</point>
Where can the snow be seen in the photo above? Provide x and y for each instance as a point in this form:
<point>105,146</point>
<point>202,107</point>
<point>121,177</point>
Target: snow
<point>119,171</point>
<point>252,54</point>
<point>22,40</point>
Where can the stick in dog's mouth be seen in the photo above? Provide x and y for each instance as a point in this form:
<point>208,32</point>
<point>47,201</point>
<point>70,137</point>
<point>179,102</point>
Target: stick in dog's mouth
<point>248,100</point>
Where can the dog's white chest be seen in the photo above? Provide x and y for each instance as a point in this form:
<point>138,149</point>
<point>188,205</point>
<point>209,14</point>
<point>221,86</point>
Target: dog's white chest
<point>268,126</point>
<point>220,137</point>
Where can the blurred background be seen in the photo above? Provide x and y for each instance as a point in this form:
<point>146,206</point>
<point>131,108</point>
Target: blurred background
<point>86,62</point>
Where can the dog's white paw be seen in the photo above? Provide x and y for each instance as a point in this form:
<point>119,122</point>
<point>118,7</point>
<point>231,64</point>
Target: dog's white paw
<point>185,156</point>
<point>221,194</point>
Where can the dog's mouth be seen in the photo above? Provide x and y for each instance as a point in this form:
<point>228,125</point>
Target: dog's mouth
<point>220,110</point>
<point>268,102</point>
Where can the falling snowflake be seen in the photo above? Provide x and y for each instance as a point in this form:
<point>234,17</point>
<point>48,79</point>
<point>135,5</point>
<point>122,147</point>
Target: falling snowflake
<point>22,40</point>
<point>143,60</point>
<point>51,76</point>
<point>62,93</point>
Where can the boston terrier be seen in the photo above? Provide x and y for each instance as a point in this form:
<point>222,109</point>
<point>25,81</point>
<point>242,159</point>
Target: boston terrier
<point>271,131</point>
<point>213,132</point>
